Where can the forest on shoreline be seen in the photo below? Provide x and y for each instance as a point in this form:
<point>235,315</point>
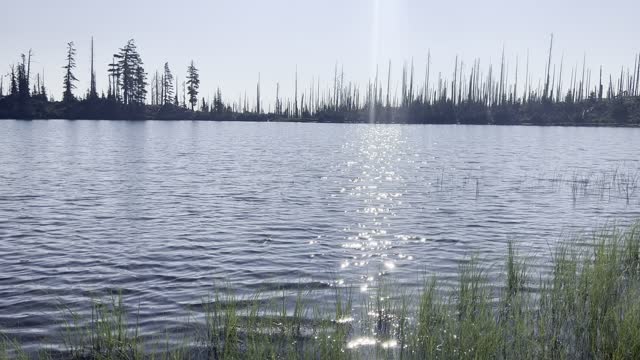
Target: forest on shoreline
<point>618,112</point>
<point>472,95</point>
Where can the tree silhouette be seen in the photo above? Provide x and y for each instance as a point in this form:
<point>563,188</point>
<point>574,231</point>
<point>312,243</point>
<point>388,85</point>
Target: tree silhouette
<point>127,78</point>
<point>218,105</point>
<point>14,83</point>
<point>193,84</point>
<point>114,79</point>
<point>175,98</point>
<point>132,79</point>
<point>69,78</point>
<point>139,85</point>
<point>92,87</point>
<point>167,85</point>
<point>470,96</point>
<point>23,77</point>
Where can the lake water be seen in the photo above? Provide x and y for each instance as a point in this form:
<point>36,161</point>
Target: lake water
<point>167,211</point>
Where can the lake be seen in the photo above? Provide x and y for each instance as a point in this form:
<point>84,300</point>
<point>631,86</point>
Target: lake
<point>166,212</point>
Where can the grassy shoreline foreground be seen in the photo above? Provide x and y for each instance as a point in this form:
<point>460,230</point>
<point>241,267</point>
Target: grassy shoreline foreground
<point>586,308</point>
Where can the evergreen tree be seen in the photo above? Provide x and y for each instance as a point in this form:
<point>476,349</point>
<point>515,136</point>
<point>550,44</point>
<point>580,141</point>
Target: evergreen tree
<point>14,84</point>
<point>193,81</point>
<point>69,78</point>
<point>203,107</point>
<point>43,89</point>
<point>218,106</point>
<point>133,79</point>
<point>128,76</point>
<point>23,79</point>
<point>167,85</point>
<point>140,85</point>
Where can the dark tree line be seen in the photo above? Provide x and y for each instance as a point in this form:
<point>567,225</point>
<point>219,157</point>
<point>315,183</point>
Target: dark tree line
<point>472,95</point>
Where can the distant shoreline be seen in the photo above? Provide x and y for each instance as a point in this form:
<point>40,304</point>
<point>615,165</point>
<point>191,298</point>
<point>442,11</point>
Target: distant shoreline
<point>471,97</point>
<point>316,121</point>
<point>623,111</point>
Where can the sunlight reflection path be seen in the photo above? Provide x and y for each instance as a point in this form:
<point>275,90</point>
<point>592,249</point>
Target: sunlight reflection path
<point>378,186</point>
<point>375,187</point>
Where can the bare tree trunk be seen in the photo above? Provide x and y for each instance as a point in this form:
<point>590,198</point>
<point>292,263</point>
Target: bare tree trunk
<point>546,84</point>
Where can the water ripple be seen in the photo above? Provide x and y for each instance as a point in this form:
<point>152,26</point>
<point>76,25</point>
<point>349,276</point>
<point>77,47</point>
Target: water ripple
<point>168,212</point>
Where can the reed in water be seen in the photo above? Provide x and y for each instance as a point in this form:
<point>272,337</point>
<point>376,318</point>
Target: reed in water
<point>584,306</point>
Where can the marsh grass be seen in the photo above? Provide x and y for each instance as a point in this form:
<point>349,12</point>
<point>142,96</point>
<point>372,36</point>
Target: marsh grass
<point>11,349</point>
<point>111,332</point>
<point>619,183</point>
<point>585,306</point>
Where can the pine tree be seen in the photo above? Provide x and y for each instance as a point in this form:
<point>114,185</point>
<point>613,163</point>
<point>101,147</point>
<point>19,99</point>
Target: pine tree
<point>128,60</point>
<point>23,78</point>
<point>218,105</point>
<point>203,107</point>
<point>193,82</point>
<point>69,78</point>
<point>167,85</point>
<point>140,84</point>
<point>14,84</point>
<point>128,75</point>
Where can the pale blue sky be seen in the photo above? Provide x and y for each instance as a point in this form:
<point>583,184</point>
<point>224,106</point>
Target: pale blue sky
<point>232,41</point>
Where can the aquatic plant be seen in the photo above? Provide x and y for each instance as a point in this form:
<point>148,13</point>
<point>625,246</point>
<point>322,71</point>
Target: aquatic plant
<point>583,305</point>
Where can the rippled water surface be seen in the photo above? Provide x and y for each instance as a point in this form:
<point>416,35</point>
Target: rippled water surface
<point>166,211</point>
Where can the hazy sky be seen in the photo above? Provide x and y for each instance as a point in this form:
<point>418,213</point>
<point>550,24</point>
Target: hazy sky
<point>232,41</point>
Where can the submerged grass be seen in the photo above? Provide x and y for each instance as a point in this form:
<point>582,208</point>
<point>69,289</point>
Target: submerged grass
<point>585,307</point>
